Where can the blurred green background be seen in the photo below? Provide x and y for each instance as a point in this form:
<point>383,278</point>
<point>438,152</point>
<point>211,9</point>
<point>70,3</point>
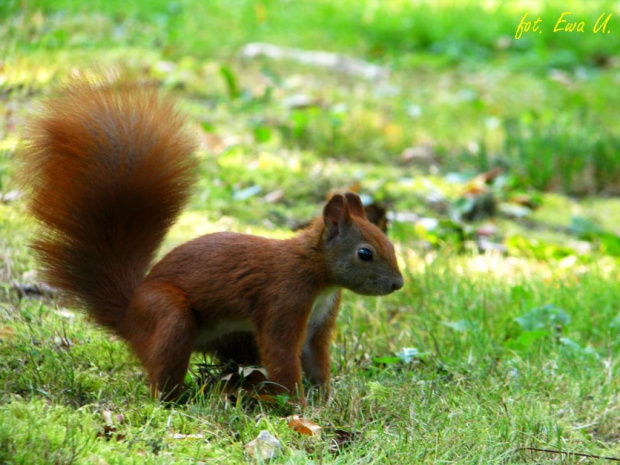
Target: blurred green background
<point>460,83</point>
<point>453,92</point>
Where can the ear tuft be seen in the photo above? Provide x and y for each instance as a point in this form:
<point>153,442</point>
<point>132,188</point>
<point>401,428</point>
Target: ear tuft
<point>355,205</point>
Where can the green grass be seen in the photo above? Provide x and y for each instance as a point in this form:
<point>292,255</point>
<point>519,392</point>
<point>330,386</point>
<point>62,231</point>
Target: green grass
<point>516,349</point>
<point>472,395</point>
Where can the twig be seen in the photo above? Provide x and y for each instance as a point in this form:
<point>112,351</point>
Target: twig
<point>574,454</point>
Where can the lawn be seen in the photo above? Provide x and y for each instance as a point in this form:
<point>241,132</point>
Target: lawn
<point>497,158</point>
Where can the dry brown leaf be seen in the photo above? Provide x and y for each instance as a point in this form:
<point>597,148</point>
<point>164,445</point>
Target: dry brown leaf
<point>6,333</point>
<point>304,426</point>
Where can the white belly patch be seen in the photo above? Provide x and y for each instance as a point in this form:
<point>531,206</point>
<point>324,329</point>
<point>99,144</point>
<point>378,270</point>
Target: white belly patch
<point>320,310</point>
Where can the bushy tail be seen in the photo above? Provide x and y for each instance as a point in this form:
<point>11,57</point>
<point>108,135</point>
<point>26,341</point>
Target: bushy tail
<point>109,167</point>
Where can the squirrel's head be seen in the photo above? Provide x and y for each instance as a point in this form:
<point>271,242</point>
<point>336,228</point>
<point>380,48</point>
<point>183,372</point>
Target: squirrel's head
<point>360,256</point>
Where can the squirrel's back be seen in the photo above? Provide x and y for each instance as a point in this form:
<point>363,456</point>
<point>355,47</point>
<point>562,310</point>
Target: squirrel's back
<point>109,167</point>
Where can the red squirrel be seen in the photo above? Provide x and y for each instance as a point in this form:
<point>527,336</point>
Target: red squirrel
<point>109,167</point>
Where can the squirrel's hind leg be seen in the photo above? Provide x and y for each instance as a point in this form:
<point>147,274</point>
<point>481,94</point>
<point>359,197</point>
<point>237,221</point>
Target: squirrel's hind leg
<point>163,330</point>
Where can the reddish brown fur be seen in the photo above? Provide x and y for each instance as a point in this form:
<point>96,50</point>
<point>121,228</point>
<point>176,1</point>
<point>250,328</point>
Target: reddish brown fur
<point>110,168</point>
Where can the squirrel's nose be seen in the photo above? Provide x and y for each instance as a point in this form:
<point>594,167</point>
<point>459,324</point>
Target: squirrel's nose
<point>397,283</point>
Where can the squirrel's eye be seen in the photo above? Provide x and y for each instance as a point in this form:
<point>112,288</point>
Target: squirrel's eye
<point>365,254</point>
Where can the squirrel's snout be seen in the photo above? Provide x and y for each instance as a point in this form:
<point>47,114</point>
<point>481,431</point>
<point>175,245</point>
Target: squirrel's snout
<point>397,283</point>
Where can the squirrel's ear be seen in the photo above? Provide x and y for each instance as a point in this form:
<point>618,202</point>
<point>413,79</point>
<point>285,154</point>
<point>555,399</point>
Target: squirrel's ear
<point>355,205</point>
<point>334,213</point>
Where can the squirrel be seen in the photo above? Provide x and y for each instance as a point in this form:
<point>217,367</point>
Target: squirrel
<point>109,165</point>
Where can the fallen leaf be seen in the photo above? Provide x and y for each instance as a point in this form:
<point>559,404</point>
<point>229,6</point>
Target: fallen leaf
<point>6,332</point>
<point>304,426</point>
